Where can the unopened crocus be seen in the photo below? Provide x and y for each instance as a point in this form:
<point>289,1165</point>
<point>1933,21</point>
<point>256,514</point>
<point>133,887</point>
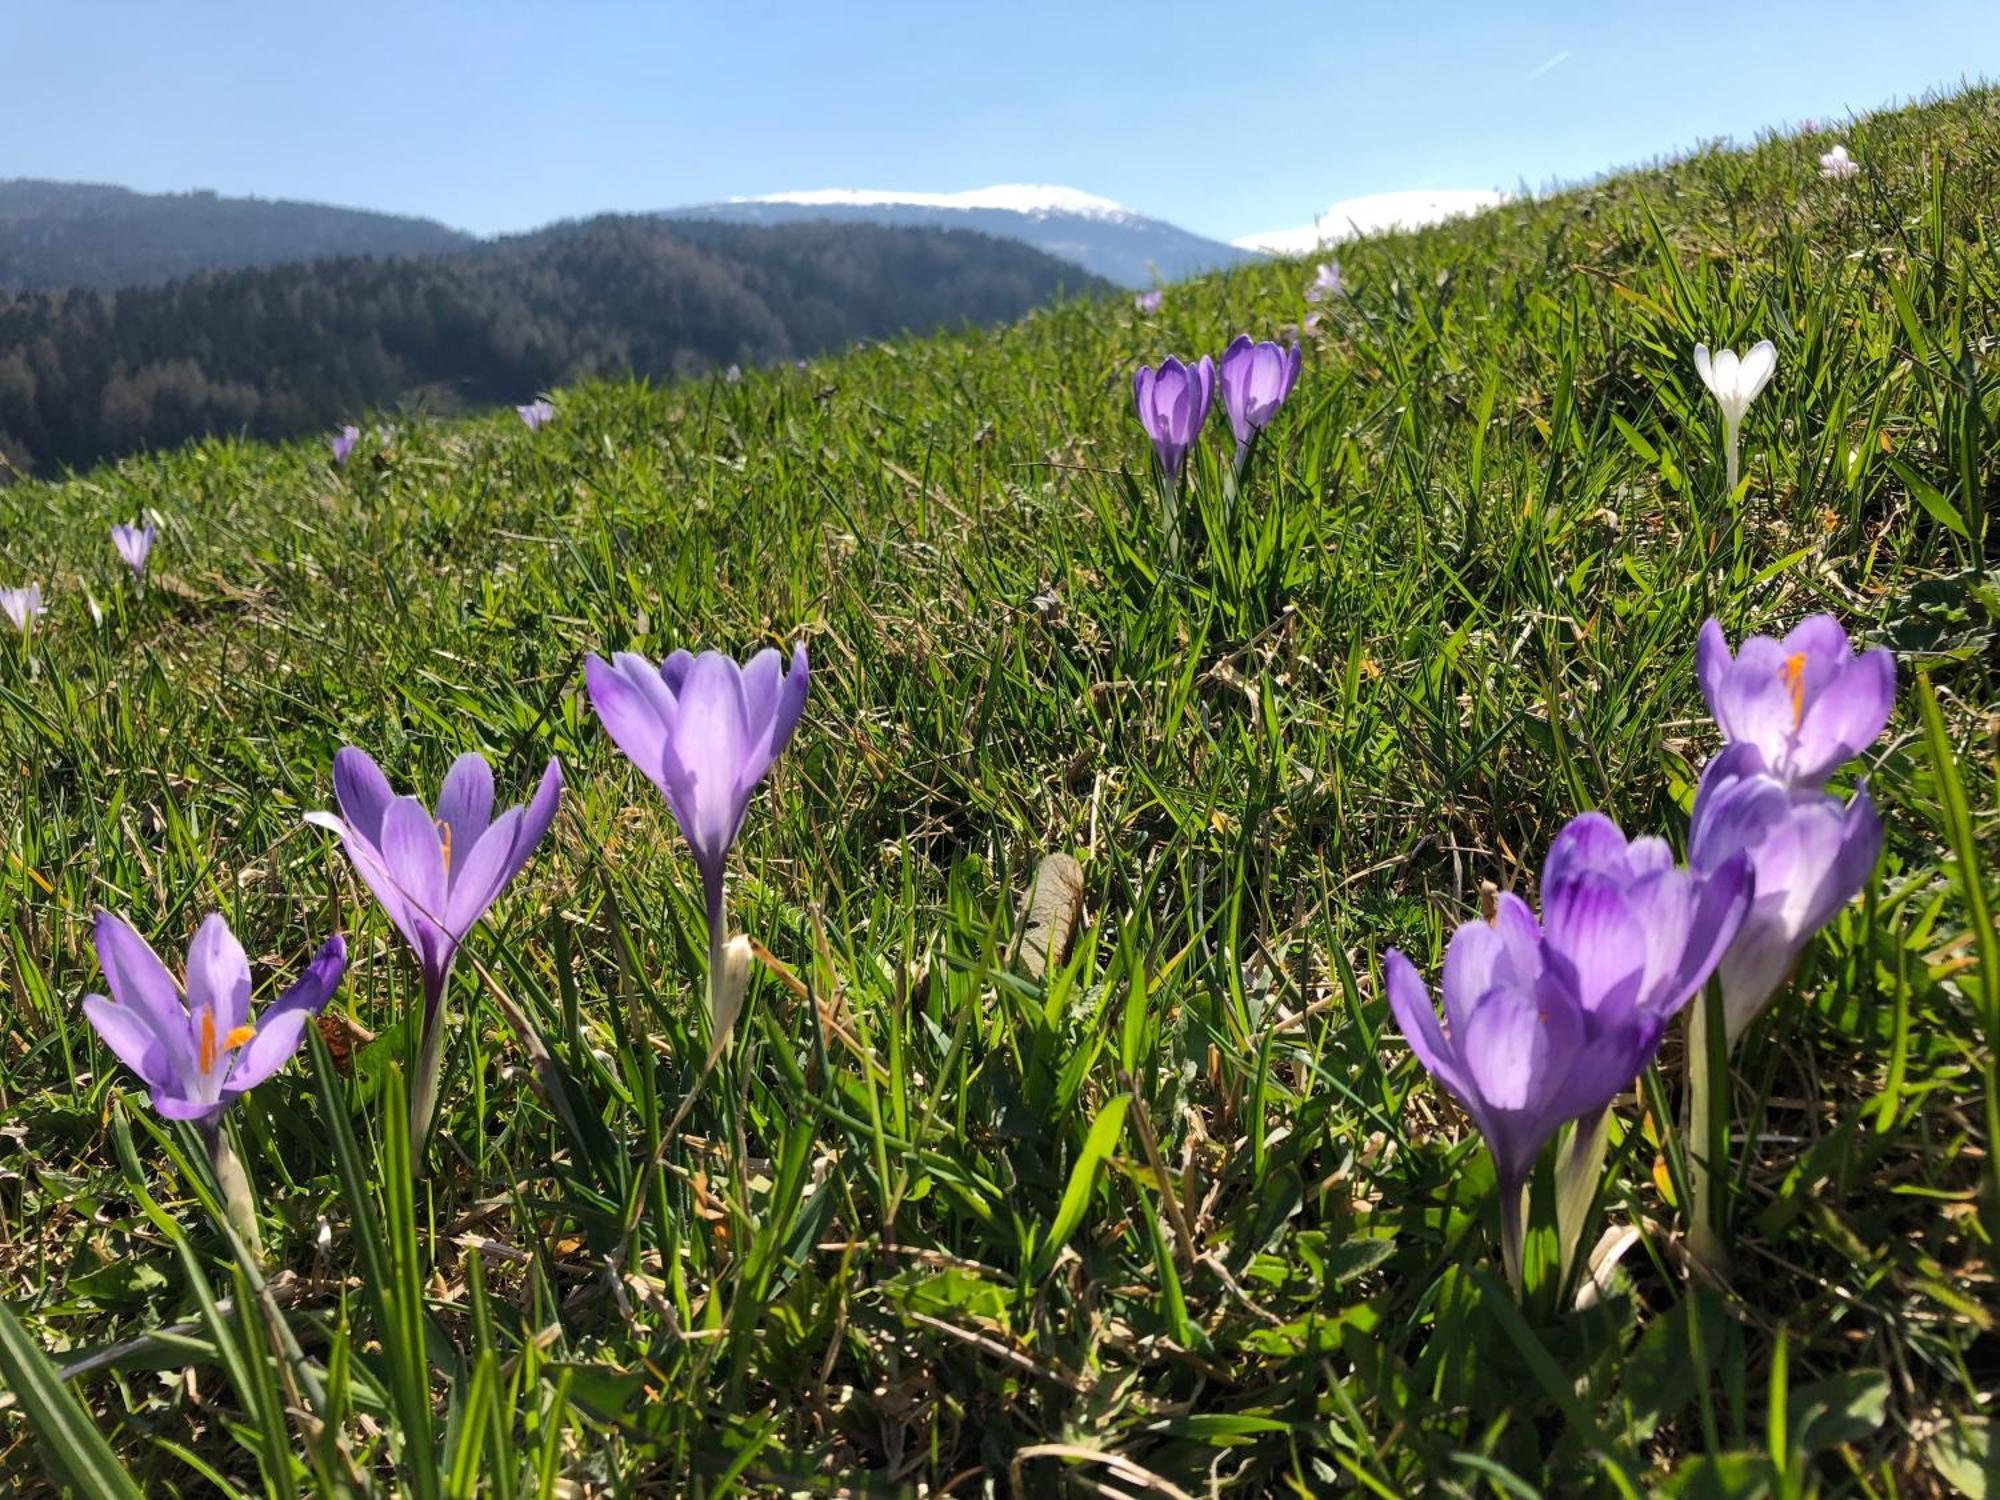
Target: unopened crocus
<point>1256,379</point>
<point>435,871</point>
<point>1807,702</point>
<point>1325,285</point>
<point>134,544</point>
<point>1149,302</point>
<point>342,443</point>
<point>734,374</point>
<point>706,732</point>
<point>1735,382</point>
<point>1549,1021</point>
<point>195,1047</point>
<point>1811,854</point>
<point>23,606</point>
<point>535,414</point>
<point>1173,402</point>
<point>1837,166</point>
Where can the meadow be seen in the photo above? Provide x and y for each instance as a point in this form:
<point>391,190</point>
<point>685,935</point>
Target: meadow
<point>1178,1214</point>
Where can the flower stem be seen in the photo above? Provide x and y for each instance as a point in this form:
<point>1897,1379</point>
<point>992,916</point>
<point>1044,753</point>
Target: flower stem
<point>1707,1127</point>
<point>1729,435</point>
<point>430,1064</point>
<point>1513,1230</point>
<point>235,1185</point>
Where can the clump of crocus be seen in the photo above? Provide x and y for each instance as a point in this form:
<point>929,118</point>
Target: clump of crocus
<point>1837,166</point>
<point>1549,1021</point>
<point>1735,383</point>
<point>23,606</point>
<point>1807,702</point>
<point>1326,284</point>
<point>706,732</point>
<point>342,443</point>
<point>435,872</point>
<point>135,544</point>
<point>1256,379</point>
<point>1149,302</point>
<point>536,413</point>
<point>1792,712</point>
<point>1173,402</point>
<point>196,1047</point>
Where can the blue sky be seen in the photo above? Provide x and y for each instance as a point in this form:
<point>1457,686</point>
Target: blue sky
<point>1226,118</point>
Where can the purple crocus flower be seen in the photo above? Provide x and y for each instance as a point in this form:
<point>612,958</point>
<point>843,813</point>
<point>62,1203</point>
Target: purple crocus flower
<point>343,443</point>
<point>1806,702</point>
<point>1811,855</point>
<point>197,1049</point>
<point>1149,302</point>
<point>435,871</point>
<point>1256,378</point>
<point>1173,402</point>
<point>535,413</point>
<point>23,606</point>
<point>1325,284</point>
<point>134,544</point>
<point>1550,1021</point>
<point>706,732</point>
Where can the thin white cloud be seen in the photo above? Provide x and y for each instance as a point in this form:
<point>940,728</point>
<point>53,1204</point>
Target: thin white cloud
<point>1550,66</point>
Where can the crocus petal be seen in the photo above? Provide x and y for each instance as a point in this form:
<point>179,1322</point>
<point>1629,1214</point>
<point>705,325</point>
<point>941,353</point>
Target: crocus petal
<point>1845,718</point>
<point>1475,960</point>
<point>627,715</point>
<point>283,1021</point>
<point>1410,1004</point>
<point>1704,369</point>
<point>1586,921</point>
<point>1515,1054</point>
<point>710,738</point>
<point>141,983</point>
<point>465,801</point>
<point>130,1038</point>
<point>218,977</point>
<point>414,855</point>
<point>173,1104</point>
<point>362,792</point>
<point>1756,370</point>
<point>483,872</point>
<point>673,671</point>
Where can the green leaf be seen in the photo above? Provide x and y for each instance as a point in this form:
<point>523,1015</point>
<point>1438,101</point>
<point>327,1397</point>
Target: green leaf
<point>1104,1132</point>
<point>72,1449</point>
<point>1845,1409</point>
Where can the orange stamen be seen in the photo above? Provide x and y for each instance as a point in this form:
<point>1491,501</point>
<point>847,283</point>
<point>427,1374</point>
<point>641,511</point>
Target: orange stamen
<point>1794,674</point>
<point>238,1037</point>
<point>207,1041</point>
<point>444,837</point>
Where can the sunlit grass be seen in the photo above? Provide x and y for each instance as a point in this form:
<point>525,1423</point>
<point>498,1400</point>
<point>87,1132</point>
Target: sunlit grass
<point>1185,1202</point>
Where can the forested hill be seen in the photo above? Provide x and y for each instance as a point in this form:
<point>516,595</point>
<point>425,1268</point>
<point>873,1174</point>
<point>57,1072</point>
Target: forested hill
<point>62,234</point>
<point>276,351</point>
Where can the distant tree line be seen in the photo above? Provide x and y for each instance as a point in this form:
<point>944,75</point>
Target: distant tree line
<point>70,234</point>
<point>280,350</point>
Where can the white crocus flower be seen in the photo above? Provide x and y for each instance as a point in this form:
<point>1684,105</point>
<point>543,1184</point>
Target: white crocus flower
<point>1735,383</point>
<point>1836,165</point>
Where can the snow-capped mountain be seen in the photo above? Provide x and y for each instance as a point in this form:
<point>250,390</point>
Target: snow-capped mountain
<point>1374,212</point>
<point>1101,236</point>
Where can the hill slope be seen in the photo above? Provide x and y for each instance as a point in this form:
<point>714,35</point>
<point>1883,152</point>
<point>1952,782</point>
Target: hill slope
<point>73,234</point>
<point>1105,238</point>
<point>1186,1217</point>
<point>276,351</point>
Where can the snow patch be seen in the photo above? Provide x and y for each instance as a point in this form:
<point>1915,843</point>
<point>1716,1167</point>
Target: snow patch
<point>1038,199</point>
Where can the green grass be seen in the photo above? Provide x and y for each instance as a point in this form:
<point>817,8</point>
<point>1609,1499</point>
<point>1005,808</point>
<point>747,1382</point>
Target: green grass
<point>1186,1218</point>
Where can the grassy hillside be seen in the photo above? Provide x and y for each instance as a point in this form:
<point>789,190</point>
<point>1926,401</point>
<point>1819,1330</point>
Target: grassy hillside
<point>1455,603</point>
